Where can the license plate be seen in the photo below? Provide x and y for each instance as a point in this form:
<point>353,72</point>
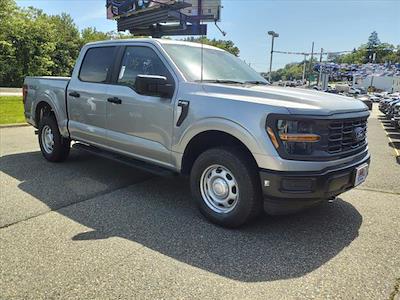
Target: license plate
<point>361,174</point>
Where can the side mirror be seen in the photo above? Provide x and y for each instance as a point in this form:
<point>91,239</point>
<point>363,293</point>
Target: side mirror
<point>153,85</point>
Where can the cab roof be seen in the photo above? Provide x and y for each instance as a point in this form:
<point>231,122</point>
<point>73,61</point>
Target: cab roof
<point>152,41</point>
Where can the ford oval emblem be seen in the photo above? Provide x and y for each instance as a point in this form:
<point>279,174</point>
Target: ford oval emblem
<point>358,134</point>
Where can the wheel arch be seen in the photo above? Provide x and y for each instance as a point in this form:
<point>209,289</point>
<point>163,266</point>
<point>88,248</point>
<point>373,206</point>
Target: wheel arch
<point>208,139</point>
<point>43,107</point>
<point>51,103</point>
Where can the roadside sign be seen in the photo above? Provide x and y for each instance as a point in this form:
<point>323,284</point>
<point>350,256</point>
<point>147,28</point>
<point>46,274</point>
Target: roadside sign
<point>205,10</point>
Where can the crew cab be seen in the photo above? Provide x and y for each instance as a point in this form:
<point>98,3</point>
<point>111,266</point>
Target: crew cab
<point>174,107</point>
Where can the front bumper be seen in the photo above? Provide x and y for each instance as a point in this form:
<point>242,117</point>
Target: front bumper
<point>286,192</point>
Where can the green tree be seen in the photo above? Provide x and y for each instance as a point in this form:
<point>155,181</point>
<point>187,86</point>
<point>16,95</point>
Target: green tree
<point>384,52</point>
<point>91,34</point>
<point>292,71</point>
<point>222,44</point>
<point>29,45</point>
<point>68,44</point>
<point>8,57</point>
<point>359,56</point>
<point>373,40</point>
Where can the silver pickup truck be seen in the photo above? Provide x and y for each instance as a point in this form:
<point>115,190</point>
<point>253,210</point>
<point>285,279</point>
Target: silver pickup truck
<point>181,108</point>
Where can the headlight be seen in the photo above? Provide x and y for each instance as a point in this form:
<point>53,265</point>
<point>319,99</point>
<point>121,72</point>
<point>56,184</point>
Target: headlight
<point>296,136</point>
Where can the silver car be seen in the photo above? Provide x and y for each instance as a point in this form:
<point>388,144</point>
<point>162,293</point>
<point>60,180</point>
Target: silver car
<point>195,110</point>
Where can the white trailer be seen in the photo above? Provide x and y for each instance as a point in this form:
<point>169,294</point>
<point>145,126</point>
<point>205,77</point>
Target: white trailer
<point>385,83</point>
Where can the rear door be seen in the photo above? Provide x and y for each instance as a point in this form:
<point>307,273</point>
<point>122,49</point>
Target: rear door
<point>140,125</point>
<point>87,95</point>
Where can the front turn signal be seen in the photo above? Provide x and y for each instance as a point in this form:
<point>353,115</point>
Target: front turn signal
<point>299,137</point>
<point>273,137</point>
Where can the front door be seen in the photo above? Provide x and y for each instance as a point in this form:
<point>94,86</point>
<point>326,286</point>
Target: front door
<point>87,96</point>
<point>137,124</point>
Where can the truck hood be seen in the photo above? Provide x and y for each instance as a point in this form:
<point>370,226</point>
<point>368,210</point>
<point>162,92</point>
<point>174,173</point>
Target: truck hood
<point>295,100</point>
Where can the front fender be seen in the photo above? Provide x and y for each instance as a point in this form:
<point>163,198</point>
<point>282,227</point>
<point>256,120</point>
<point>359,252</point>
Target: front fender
<point>217,124</point>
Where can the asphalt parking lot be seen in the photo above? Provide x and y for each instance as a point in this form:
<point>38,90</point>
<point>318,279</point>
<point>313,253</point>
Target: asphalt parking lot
<point>90,228</point>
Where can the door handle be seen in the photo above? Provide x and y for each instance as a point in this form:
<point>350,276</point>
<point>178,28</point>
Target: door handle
<point>114,100</point>
<point>74,94</point>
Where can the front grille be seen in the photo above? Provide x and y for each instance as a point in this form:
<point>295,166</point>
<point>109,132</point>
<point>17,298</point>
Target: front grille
<point>347,135</point>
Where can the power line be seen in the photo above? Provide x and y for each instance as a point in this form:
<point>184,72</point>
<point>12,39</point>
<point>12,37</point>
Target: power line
<point>331,52</point>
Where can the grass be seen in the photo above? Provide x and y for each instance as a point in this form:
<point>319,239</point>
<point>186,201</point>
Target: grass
<point>11,110</point>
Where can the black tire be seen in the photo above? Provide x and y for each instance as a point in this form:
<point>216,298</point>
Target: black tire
<point>244,170</point>
<point>61,145</point>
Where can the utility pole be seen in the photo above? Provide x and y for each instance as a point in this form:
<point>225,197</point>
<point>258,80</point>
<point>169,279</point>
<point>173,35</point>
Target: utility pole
<point>304,68</point>
<point>274,35</point>
<point>320,67</point>
<point>310,68</point>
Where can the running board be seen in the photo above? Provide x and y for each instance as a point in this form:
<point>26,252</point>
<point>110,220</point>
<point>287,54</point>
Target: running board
<point>135,163</point>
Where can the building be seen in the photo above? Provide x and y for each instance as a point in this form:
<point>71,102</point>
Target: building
<point>389,84</point>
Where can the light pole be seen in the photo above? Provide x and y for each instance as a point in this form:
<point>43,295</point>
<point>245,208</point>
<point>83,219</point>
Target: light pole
<point>274,35</point>
<point>310,69</point>
<point>304,68</point>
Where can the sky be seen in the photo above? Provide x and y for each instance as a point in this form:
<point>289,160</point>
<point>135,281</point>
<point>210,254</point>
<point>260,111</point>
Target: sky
<point>333,25</point>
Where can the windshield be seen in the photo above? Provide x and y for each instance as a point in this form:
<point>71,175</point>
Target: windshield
<point>219,66</point>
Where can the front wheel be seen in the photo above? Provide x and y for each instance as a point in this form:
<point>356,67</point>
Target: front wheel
<point>226,187</point>
<point>54,146</point>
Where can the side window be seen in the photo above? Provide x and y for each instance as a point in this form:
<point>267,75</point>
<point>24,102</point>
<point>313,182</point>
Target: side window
<point>96,64</point>
<point>140,61</point>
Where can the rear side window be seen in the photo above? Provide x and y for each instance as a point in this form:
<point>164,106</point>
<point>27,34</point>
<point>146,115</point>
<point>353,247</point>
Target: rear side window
<point>96,64</point>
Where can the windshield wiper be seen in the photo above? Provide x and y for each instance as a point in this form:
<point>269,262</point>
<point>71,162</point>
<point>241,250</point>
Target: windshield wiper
<point>221,81</point>
<point>257,82</point>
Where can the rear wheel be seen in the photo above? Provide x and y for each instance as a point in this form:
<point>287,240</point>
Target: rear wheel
<point>54,146</point>
<point>226,187</point>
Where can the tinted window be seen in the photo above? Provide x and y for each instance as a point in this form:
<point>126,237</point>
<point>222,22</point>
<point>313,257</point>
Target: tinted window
<point>140,61</point>
<point>96,64</point>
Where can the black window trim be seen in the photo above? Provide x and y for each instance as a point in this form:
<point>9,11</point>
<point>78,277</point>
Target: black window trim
<point>110,71</point>
<point>118,64</point>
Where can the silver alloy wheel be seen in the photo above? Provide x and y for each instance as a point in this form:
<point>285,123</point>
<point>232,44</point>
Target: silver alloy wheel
<point>47,139</point>
<point>219,189</point>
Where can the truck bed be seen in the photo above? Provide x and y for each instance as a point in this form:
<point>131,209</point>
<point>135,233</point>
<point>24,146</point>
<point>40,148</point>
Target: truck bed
<point>49,89</point>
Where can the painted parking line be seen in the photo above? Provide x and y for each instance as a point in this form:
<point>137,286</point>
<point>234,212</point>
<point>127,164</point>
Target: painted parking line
<point>397,152</point>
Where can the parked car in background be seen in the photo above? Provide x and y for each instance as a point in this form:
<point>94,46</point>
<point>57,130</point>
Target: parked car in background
<point>366,100</point>
<point>395,120</point>
<point>384,104</point>
<point>331,90</point>
<point>375,99</point>
<point>390,109</point>
<point>342,88</point>
<point>354,91</point>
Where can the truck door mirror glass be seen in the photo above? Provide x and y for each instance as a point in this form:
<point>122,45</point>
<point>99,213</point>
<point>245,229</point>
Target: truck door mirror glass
<point>153,85</point>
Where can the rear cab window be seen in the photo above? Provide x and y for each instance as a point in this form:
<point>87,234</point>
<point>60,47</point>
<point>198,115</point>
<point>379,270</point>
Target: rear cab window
<point>97,64</point>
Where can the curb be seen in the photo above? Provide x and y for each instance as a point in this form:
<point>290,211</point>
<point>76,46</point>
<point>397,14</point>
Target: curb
<point>14,125</point>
